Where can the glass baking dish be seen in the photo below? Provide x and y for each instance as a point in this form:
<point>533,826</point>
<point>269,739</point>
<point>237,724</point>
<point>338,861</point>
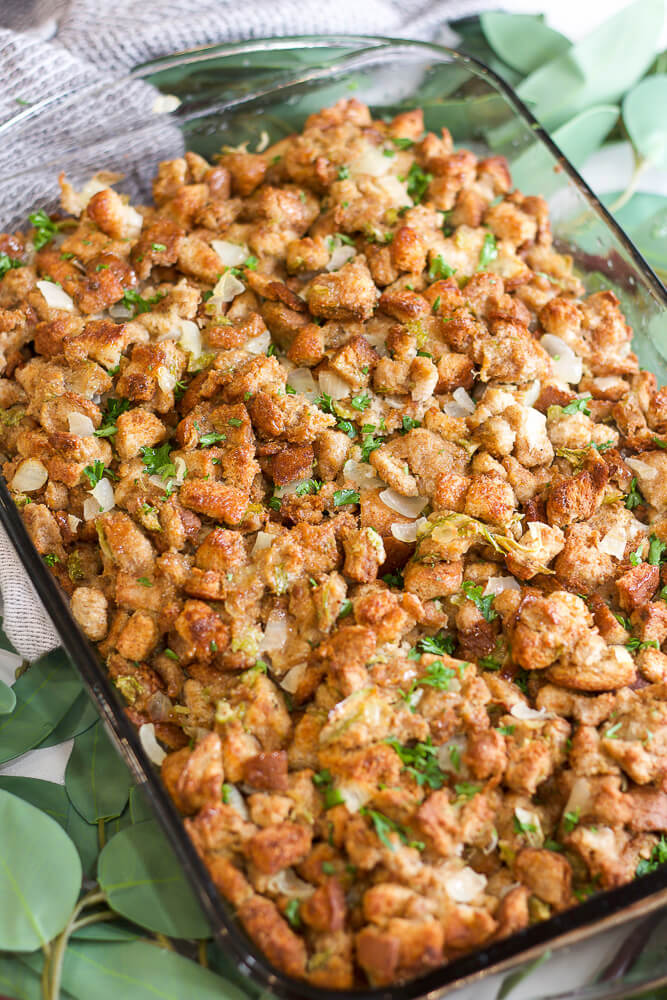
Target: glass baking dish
<point>256,93</point>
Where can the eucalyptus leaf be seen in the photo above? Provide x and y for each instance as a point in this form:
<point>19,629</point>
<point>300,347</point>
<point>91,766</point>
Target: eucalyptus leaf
<point>144,882</point>
<point>651,238</point>
<point>18,981</point>
<point>7,699</point>
<point>52,800</point>
<point>81,716</point>
<point>644,109</point>
<point>40,876</point>
<point>523,41</point>
<point>533,171</point>
<point>600,68</point>
<point>97,780</point>
<point>115,930</point>
<point>44,694</point>
<point>140,807</point>
<point>137,970</point>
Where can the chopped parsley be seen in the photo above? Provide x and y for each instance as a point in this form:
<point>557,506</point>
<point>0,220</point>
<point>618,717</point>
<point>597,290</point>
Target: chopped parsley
<point>343,172</point>
<point>292,912</point>
<point>393,580</point>
<point>612,732</point>
<point>488,252</point>
<point>308,487</point>
<point>324,781</point>
<point>132,300</point>
<point>114,408</point>
<point>97,471</point>
<point>402,143</point>
<point>384,825</point>
<point>440,269</point>
<point>505,730</point>
<point>144,581</point>
<point>418,182</point>
<point>347,427</point>
<point>51,558</point>
<point>8,263</point>
<point>420,761</point>
<point>636,556</point>
<point>658,857</point>
<point>158,247</point>
<point>571,819</point>
<point>437,676</point>
<point>343,497</point>
<point>655,550</point>
<point>409,424</point>
<point>206,440</point>
<point>360,402</point>
<point>45,228</point>
<point>578,406</point>
<point>474,592</point>
<point>157,460</point>
<point>368,444</point>
<point>634,497</point>
<point>521,827</point>
<point>345,609</point>
<point>466,789</point>
<point>325,403</point>
<point>489,663</point>
<point>437,644</point>
<point>171,654</point>
<point>636,645</point>
<point>234,422</point>
<point>660,444</point>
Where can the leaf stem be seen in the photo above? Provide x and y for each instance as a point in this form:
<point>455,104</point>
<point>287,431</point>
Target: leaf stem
<point>93,918</point>
<point>641,163</point>
<point>101,833</point>
<point>202,955</point>
<point>46,948</point>
<point>164,941</point>
<point>60,945</point>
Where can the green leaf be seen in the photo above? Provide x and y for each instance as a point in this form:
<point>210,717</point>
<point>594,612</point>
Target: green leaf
<point>533,169</point>
<point>81,716</point>
<point>40,876</point>
<point>137,970</point>
<point>644,118</point>
<point>52,799</point>
<point>145,883</point>
<point>512,981</point>
<point>644,219</point>
<point>599,69</point>
<point>523,41</point>
<point>7,699</point>
<point>20,978</point>
<point>44,694</point>
<point>113,930</point>
<point>97,780</point>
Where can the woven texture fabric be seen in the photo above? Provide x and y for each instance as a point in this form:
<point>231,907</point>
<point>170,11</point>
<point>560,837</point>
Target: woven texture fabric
<point>51,46</point>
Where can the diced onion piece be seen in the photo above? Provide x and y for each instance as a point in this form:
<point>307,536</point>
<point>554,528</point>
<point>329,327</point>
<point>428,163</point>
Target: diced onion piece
<point>55,296</point>
<point>354,795</point>
<point>230,254</point>
<point>407,532</point>
<point>73,522</point>
<point>30,475</point>
<point>275,633</point>
<point>395,190</point>
<point>340,255</point>
<point>165,379</point>
<point>394,402</point>
<point>450,753</point>
<point>132,222</point>
<point>159,707</point>
<point>119,311</point>
<point>293,677</point>
<point>531,394</point>
<point>615,541</point>
<point>226,290</point>
<point>496,585</point>
<point>407,506</point>
<point>150,744</point>
<point>236,800</point>
<point>264,141</point>
<point>463,399</point>
<point>100,501</point>
<point>333,385</point>
<point>454,409</point>
<point>465,885</point>
<point>287,883</point>
<point>263,541</point>
<point>259,344</point>
<point>80,424</point>
<point>190,337</point>
<point>361,474</point>
<point>580,795</point>
<point>642,468</point>
<point>604,382</point>
<point>520,710</point>
<point>289,489</point>
<point>302,381</point>
<point>566,364</point>
<point>165,104</point>
<point>378,341</point>
<point>372,162</point>
<point>530,822</point>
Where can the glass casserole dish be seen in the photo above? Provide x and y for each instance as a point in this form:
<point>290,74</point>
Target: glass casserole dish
<point>235,94</point>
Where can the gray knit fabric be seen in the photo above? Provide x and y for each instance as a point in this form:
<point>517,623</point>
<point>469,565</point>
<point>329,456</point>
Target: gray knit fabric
<point>48,47</point>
